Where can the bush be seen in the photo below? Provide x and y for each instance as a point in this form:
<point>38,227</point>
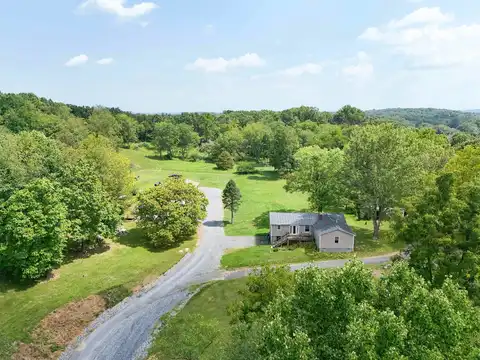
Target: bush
<point>195,156</point>
<point>225,161</point>
<point>246,168</point>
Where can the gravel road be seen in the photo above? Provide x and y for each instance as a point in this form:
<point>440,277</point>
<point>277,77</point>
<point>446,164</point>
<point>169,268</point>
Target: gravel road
<point>124,331</point>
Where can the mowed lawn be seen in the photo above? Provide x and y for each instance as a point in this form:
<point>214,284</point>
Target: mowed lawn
<point>212,302</point>
<point>261,193</point>
<point>365,246</point>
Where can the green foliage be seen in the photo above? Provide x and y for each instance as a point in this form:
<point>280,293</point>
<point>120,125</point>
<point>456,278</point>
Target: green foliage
<point>385,164</point>
<point>165,138</point>
<point>225,161</point>
<point>169,213</point>
<point>346,314</point>
<point>443,233</point>
<point>245,168</point>
<point>102,122</point>
<point>187,139</point>
<point>231,198</point>
<point>112,168</point>
<point>262,286</point>
<point>257,140</point>
<point>90,210</point>
<point>318,174</point>
<point>128,129</point>
<point>349,115</point>
<point>33,230</point>
<point>460,120</point>
<point>283,146</point>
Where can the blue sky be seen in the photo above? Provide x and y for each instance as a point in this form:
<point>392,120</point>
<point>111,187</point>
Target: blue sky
<point>212,55</point>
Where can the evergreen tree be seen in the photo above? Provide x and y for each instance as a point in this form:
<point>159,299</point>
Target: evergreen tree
<point>225,161</point>
<point>231,198</point>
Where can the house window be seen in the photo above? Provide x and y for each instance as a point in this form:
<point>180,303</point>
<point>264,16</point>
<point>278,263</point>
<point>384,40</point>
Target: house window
<point>307,228</point>
<point>278,227</point>
<point>336,239</point>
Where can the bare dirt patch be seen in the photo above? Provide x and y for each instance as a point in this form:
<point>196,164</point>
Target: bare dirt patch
<point>59,328</point>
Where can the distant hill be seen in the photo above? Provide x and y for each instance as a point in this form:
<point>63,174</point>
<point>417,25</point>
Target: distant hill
<point>441,119</point>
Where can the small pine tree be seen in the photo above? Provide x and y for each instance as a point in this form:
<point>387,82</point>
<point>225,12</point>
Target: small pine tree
<point>225,161</point>
<point>231,198</point>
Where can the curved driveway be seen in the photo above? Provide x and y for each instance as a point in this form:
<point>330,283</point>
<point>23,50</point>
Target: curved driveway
<point>123,332</point>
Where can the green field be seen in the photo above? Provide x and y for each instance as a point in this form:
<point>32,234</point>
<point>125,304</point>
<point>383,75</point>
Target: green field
<point>261,192</point>
<point>212,303</point>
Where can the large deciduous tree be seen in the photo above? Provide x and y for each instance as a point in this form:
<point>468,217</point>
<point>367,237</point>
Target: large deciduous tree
<point>187,139</point>
<point>112,168</point>
<point>91,211</point>
<point>231,198</point>
<point>283,146</point>
<point>33,230</point>
<point>170,212</point>
<point>385,164</point>
<point>319,174</point>
<point>347,314</point>
<point>165,138</point>
<point>349,115</point>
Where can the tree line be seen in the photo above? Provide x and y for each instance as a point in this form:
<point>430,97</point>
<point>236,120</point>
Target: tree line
<point>61,183</point>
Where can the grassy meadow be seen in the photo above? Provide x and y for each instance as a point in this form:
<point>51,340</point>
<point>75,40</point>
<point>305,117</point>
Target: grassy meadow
<point>261,193</point>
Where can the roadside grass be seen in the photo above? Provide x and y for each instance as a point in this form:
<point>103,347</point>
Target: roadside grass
<point>211,303</point>
<point>261,193</point>
<point>365,246</point>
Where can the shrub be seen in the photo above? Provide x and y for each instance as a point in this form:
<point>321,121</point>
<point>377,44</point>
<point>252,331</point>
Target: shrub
<point>225,161</point>
<point>246,168</point>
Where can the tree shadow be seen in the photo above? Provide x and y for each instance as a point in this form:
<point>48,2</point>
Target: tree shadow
<point>215,223</point>
<point>74,255</point>
<point>136,238</point>
<point>12,285</point>
<point>114,295</point>
<point>267,175</point>
<point>262,221</point>
<point>158,157</point>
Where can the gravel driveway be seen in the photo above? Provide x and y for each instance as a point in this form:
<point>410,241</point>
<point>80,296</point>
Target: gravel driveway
<point>124,331</point>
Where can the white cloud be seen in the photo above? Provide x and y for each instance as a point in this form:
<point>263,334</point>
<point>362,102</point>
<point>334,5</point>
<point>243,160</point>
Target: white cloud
<point>423,15</point>
<point>119,7</point>
<point>308,68</point>
<point>222,65</point>
<point>106,61</point>
<point>144,24</point>
<point>429,38</point>
<point>361,70</point>
<point>77,60</point>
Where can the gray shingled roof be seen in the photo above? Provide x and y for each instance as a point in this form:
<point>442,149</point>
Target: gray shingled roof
<point>324,223</point>
<point>329,222</point>
<point>291,218</point>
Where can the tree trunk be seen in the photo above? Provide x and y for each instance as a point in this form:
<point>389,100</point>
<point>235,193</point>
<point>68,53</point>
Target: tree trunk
<point>376,225</point>
<point>231,216</point>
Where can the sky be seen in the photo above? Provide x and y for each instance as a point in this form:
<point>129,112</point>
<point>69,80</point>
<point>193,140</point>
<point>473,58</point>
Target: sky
<point>214,55</point>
